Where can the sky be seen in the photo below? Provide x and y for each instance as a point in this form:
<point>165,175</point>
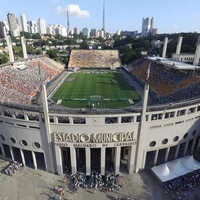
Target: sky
<point>170,16</point>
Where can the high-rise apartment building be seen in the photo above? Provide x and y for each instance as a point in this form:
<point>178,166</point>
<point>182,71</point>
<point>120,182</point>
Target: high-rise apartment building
<point>76,31</point>
<point>42,26</point>
<point>24,23</point>
<point>94,33</point>
<point>13,25</point>
<point>147,26</point>
<point>32,27</point>
<point>85,32</point>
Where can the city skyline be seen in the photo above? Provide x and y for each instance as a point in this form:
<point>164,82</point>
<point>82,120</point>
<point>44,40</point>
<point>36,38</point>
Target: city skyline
<point>169,17</point>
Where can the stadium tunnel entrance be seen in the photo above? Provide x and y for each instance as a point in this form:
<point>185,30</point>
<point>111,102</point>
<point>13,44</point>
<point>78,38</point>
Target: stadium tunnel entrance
<point>28,158</point>
<point>80,160</point>
<point>66,160</point>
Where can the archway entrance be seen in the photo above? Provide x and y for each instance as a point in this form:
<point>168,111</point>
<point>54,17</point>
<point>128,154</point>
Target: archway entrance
<point>124,159</point>
<point>95,159</point>
<point>80,160</point>
<point>66,159</point>
<point>110,152</point>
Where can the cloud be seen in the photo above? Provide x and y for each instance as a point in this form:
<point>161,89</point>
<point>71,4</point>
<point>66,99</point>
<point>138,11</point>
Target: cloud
<point>175,26</point>
<point>73,9</point>
<point>55,1</point>
<point>198,15</point>
<point>60,10</point>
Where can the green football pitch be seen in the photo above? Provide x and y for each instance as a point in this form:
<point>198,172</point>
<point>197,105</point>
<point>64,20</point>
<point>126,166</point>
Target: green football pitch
<point>96,90</point>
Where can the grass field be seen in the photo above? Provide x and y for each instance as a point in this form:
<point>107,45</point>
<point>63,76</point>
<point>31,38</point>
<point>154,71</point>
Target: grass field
<point>77,90</point>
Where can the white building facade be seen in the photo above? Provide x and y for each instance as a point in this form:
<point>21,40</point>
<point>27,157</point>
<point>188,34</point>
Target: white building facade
<point>56,140</point>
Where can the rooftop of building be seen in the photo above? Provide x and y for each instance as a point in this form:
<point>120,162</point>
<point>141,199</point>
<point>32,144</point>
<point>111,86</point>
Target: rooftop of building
<point>174,64</point>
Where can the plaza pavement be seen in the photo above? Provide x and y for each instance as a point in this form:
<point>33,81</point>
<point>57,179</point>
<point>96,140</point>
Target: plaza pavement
<point>30,184</point>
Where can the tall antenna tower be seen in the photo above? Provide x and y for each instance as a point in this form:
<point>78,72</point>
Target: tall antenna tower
<point>103,28</point>
<point>67,23</point>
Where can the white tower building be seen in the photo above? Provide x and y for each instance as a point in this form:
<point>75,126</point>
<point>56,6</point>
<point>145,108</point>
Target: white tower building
<point>147,26</point>
<point>24,23</point>
<point>42,26</point>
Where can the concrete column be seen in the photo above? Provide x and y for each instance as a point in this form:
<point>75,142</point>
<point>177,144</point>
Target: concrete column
<point>197,53</point>
<point>179,44</point>
<point>11,152</point>
<point>48,131</point>
<point>193,145</point>
<point>34,160</point>
<point>117,159</point>
<point>73,159</point>
<point>10,50</point>
<point>71,120</point>
<point>26,117</point>
<point>131,159</point>
<point>22,156</point>
<point>177,150</point>
<point>167,154</point>
<point>144,159</point>
<point>141,133</point>
<point>88,160</point>
<point>198,145</point>
<point>175,113</point>
<point>45,162</point>
<point>103,160</point>
<point>55,119</point>
<point>23,43</point>
<point>2,149</point>
<point>155,157</point>
<point>119,120</point>
<point>165,47</point>
<point>58,157</point>
<point>185,149</point>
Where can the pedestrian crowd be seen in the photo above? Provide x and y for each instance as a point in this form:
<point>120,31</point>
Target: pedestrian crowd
<point>108,183</point>
<point>178,187</point>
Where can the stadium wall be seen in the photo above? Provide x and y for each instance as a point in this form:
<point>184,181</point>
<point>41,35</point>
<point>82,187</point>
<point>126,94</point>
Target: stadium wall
<point>45,138</point>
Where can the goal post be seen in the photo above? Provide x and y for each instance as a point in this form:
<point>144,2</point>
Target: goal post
<point>95,98</point>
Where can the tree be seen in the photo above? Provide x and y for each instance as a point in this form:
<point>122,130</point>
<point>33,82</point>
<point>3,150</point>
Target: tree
<point>36,36</point>
<point>25,34</point>
<point>84,45</point>
<point>52,53</point>
<point>3,58</point>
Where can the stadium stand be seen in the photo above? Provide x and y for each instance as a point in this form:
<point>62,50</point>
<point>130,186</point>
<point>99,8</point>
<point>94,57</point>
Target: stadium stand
<point>94,59</point>
<point>169,84</point>
<point>20,86</point>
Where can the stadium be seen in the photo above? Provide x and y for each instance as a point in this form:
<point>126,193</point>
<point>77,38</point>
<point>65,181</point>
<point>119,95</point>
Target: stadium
<point>98,115</point>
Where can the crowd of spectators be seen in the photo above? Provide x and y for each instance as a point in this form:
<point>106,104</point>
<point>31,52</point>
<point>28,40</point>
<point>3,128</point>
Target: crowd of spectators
<point>12,168</point>
<point>168,84</point>
<point>20,86</point>
<point>108,183</point>
<point>94,59</point>
<point>178,188</point>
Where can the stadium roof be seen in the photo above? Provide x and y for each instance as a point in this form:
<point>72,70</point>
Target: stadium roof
<point>174,64</point>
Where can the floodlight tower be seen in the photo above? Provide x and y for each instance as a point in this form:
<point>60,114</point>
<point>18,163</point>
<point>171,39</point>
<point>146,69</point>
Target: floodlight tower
<point>103,27</point>
<point>67,23</point>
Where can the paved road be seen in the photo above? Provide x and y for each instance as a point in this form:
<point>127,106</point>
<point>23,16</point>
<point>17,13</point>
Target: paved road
<point>30,184</point>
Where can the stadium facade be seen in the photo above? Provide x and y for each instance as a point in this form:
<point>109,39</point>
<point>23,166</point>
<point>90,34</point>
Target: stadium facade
<point>56,140</point>
<point>61,140</point>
